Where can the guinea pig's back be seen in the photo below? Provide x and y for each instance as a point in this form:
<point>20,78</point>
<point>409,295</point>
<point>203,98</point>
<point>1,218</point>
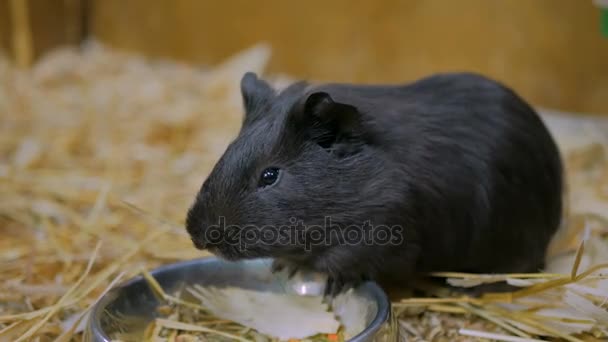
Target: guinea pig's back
<point>486,159</point>
<point>484,175</point>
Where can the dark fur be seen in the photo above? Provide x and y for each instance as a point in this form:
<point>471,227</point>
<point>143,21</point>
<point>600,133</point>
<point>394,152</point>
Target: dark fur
<point>460,161</point>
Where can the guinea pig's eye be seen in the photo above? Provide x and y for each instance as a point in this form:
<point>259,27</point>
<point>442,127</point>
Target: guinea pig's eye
<point>269,176</point>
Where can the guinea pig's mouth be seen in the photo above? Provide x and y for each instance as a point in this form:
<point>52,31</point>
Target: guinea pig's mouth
<point>227,251</point>
<point>224,252</point>
<point>232,253</point>
<point>199,243</point>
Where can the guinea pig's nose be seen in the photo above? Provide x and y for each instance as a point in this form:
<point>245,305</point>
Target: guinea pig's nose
<point>196,227</point>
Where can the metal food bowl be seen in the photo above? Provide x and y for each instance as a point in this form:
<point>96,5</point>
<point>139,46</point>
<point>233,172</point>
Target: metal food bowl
<point>135,303</point>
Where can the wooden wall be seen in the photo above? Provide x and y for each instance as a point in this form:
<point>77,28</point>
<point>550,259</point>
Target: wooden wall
<point>52,23</point>
<point>4,26</point>
<point>552,51</point>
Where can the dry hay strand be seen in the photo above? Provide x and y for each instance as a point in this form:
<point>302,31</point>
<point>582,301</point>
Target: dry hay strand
<point>89,135</point>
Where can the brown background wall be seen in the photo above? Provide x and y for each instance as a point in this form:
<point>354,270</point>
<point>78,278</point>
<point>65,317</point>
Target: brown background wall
<point>52,23</point>
<point>4,25</point>
<point>551,51</point>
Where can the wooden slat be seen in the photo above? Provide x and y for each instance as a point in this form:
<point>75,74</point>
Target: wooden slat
<point>4,27</point>
<point>50,23</point>
<point>21,29</point>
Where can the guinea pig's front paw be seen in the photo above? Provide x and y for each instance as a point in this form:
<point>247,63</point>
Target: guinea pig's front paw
<point>338,284</point>
<point>279,265</point>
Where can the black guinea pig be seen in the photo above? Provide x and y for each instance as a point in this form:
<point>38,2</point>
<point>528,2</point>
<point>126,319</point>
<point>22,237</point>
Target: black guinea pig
<point>453,172</point>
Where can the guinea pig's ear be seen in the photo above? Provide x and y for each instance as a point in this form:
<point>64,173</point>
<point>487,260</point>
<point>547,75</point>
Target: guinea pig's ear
<point>256,93</point>
<point>333,125</point>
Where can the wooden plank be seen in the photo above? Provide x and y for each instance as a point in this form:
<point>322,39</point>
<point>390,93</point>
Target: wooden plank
<point>21,33</point>
<point>52,23</point>
<point>4,27</point>
<point>56,23</point>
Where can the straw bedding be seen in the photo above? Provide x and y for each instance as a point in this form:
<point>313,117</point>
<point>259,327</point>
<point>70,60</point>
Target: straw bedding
<point>101,152</point>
